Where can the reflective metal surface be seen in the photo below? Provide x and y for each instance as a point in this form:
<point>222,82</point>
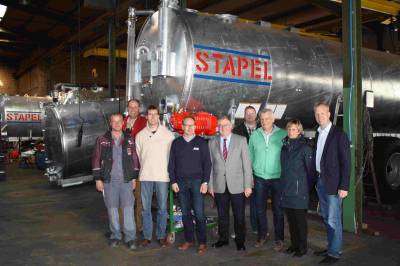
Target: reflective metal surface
<point>393,171</point>
<point>212,63</point>
<point>70,134</point>
<point>21,116</point>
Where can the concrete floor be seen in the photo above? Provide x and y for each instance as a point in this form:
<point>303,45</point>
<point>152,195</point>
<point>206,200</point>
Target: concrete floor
<point>45,225</point>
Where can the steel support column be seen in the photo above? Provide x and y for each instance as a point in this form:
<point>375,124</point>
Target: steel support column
<point>73,55</point>
<point>112,71</point>
<point>352,105</point>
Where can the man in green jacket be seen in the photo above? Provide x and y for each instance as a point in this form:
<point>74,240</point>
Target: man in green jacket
<point>265,150</point>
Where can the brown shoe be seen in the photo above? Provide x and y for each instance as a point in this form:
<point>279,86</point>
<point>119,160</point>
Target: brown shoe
<point>260,243</point>
<point>162,242</point>
<point>278,246</point>
<point>202,249</point>
<point>185,246</point>
<point>145,243</point>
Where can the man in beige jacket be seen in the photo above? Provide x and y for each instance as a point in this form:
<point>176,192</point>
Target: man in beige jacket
<point>152,146</point>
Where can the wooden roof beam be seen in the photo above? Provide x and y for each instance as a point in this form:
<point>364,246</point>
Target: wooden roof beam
<point>269,9</point>
<point>52,15</point>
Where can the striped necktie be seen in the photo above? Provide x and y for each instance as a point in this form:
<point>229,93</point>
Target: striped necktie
<point>224,150</point>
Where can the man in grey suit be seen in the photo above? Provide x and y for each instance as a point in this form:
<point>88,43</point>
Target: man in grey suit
<point>230,181</point>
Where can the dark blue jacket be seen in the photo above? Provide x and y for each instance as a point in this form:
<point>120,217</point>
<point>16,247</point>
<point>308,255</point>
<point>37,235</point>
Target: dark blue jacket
<point>297,173</point>
<point>189,159</point>
<point>335,161</point>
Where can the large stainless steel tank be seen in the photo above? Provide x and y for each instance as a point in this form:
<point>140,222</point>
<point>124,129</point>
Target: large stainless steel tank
<point>70,132</point>
<point>214,62</point>
<point>21,116</point>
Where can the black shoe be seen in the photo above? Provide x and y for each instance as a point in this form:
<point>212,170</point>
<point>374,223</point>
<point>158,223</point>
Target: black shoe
<point>290,250</point>
<point>321,253</point>
<point>328,260</point>
<point>115,243</point>
<point>131,245</point>
<point>240,246</point>
<point>299,253</point>
<point>220,243</point>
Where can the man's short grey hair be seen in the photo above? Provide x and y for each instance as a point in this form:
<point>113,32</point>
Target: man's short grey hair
<point>266,110</point>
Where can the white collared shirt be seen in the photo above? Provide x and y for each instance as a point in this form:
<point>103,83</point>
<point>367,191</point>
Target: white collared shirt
<point>228,140</point>
<point>268,135</point>
<point>130,122</point>
<point>322,135</point>
<point>188,139</point>
<point>250,129</point>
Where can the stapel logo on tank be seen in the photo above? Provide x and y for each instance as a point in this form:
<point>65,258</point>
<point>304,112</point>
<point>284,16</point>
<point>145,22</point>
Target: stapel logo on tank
<point>214,63</point>
<point>23,117</point>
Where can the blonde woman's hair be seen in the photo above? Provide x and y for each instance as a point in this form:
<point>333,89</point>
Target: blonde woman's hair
<point>296,123</point>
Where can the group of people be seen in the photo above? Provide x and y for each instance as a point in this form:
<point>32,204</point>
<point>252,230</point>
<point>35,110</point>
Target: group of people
<point>250,161</point>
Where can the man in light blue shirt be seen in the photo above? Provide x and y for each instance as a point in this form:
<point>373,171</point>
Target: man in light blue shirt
<point>228,140</point>
<point>322,135</point>
<point>333,164</point>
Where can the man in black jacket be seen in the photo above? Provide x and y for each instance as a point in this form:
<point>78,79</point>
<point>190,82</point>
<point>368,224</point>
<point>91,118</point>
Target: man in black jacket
<point>332,162</point>
<point>115,169</point>
<point>189,170</point>
<point>245,129</point>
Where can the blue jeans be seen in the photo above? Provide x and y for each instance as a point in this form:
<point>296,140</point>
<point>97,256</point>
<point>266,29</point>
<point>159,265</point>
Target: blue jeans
<point>120,195</point>
<point>190,197</point>
<point>161,189</point>
<point>331,211</point>
<point>262,187</point>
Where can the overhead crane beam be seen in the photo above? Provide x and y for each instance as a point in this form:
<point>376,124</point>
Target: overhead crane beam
<point>381,6</point>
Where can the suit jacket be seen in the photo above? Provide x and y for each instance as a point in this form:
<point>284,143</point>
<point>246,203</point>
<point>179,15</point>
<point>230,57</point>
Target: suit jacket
<point>234,173</point>
<point>335,161</point>
<point>242,130</point>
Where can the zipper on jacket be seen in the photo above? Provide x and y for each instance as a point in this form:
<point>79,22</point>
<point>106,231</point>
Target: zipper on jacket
<point>297,187</point>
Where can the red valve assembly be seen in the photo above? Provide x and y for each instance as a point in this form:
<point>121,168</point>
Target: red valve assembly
<point>206,123</point>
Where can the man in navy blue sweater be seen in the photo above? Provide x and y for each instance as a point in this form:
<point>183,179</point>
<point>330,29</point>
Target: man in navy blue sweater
<point>189,171</point>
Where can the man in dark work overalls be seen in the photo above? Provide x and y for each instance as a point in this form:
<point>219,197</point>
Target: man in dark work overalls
<point>115,169</point>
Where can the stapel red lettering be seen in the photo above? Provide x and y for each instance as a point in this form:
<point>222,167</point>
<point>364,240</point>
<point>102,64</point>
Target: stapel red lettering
<point>257,69</point>
<point>9,117</point>
<point>217,57</point>
<point>229,66</point>
<point>203,68</point>
<point>242,65</point>
<point>266,76</point>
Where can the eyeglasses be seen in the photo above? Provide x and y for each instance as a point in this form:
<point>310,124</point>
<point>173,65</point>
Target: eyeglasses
<point>188,125</point>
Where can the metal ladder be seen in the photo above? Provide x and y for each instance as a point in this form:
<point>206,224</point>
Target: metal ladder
<point>368,162</point>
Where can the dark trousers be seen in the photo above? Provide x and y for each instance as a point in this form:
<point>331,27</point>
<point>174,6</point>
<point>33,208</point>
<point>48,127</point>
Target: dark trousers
<point>190,198</point>
<point>237,201</point>
<point>298,228</point>
<point>262,187</point>
<point>253,213</point>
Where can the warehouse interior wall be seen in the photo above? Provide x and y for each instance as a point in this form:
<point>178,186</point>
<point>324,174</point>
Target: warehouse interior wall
<point>8,83</point>
<point>33,82</point>
<point>41,79</point>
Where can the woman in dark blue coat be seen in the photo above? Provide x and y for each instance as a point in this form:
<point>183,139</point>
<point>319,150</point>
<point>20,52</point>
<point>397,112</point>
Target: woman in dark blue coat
<point>297,167</point>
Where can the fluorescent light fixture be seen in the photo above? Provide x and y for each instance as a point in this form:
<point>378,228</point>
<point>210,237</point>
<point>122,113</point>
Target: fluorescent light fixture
<point>389,21</point>
<point>3,10</point>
